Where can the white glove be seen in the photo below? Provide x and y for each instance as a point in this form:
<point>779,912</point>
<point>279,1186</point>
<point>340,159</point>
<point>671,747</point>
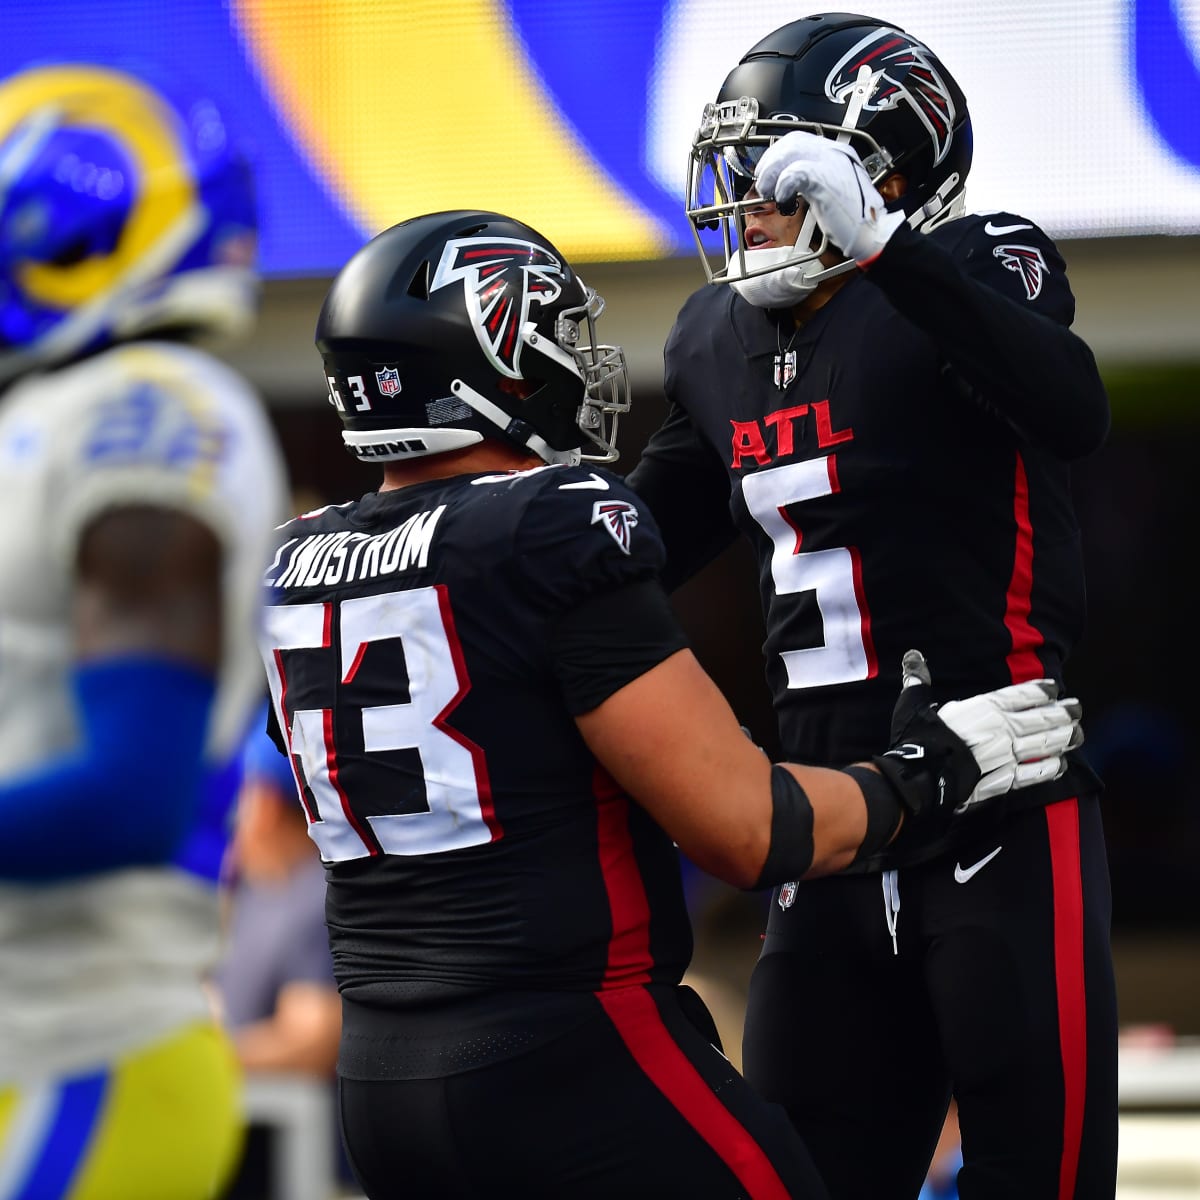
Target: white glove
<point>949,757</point>
<point>1018,735</point>
<point>831,178</point>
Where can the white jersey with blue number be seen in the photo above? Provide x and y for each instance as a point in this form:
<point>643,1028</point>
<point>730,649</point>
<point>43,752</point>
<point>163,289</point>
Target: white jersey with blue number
<point>98,965</point>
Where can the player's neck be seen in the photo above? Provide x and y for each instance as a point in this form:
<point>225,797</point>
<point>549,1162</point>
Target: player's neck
<point>819,297</point>
<point>487,455</point>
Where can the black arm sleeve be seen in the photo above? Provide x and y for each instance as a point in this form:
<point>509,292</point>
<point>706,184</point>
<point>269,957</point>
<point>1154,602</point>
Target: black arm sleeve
<point>685,485</point>
<point>790,853</point>
<point>599,646</point>
<point>1031,368</point>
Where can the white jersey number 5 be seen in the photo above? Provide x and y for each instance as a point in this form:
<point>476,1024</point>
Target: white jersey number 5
<point>829,574</point>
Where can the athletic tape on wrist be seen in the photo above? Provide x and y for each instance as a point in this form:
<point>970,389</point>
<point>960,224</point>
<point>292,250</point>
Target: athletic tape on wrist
<point>884,811</point>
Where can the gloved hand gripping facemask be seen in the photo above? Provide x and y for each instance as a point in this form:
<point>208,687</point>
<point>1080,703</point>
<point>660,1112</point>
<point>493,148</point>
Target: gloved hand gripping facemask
<point>785,286</point>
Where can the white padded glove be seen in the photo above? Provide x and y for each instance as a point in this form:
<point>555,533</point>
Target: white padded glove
<point>1018,735</point>
<point>831,178</point>
<point>953,756</point>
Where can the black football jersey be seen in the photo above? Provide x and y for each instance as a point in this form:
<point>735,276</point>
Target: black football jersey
<point>471,841</point>
<point>900,465</point>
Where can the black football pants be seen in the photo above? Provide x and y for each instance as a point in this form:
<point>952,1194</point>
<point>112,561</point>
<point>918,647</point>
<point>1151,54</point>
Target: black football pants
<point>634,1104</point>
<point>999,990</point>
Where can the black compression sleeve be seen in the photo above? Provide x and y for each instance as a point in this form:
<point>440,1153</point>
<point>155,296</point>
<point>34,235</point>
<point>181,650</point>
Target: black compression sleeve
<point>791,850</point>
<point>884,811</point>
<point>1038,373</point>
<point>685,484</point>
<point>610,639</point>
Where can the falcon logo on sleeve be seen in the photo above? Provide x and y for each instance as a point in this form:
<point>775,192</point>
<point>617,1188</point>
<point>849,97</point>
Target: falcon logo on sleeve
<point>1028,262</point>
<point>618,517</point>
<point>903,74</point>
<point>502,279</point>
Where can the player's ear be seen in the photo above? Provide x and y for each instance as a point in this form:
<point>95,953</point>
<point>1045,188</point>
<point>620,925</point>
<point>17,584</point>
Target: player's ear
<point>893,187</point>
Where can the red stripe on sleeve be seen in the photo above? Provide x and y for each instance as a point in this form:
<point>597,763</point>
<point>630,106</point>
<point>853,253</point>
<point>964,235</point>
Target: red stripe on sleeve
<point>1023,662</point>
<point>637,1020</point>
<point>1062,820</point>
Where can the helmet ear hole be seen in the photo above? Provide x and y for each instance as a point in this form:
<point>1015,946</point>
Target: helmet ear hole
<point>520,388</point>
<point>893,187</point>
<point>418,286</point>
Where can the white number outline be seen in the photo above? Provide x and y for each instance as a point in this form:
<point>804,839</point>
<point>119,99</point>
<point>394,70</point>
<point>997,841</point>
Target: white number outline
<point>358,391</point>
<point>457,786</point>
<point>833,575</point>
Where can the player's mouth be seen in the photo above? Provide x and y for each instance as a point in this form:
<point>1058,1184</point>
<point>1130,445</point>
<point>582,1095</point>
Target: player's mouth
<point>756,237</point>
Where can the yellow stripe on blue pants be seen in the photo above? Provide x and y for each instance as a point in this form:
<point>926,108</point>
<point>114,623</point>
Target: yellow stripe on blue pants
<point>163,1123</point>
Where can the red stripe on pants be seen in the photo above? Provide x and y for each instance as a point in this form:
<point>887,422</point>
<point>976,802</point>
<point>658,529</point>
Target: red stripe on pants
<point>1062,821</point>
<point>637,1020</point>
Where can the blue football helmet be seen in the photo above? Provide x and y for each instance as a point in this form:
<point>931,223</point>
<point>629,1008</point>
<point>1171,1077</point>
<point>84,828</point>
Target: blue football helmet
<point>123,211</point>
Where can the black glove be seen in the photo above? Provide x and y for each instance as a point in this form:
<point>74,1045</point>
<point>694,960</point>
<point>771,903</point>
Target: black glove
<point>946,759</point>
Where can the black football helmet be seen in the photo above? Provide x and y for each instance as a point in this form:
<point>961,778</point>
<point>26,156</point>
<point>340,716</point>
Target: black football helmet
<point>454,326</point>
<point>848,77</point>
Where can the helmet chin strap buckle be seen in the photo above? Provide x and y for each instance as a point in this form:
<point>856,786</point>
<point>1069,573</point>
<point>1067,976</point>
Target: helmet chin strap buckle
<point>937,210</point>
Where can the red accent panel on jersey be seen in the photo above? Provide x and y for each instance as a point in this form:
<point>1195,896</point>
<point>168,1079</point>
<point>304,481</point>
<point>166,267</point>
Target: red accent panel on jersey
<point>636,1018</point>
<point>358,657</point>
<point>861,596</point>
<point>1062,821</point>
<point>1023,662</point>
<point>831,471</point>
<point>311,816</point>
<point>483,781</point>
<point>367,838</point>
<point>786,518</point>
<point>629,947</point>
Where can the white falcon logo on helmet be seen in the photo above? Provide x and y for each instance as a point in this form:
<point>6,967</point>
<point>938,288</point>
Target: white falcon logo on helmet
<point>618,517</point>
<point>502,278</point>
<point>1028,262</point>
<point>903,70</point>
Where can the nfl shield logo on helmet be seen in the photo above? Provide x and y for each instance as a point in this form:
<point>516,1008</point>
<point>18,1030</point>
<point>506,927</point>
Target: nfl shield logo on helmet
<point>388,380</point>
<point>787,894</point>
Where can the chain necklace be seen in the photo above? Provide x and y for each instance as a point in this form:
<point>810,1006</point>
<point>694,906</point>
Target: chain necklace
<point>785,357</point>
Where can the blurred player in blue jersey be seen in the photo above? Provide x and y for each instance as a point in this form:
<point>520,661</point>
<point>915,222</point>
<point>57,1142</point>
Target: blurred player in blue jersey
<point>501,736</point>
<point>883,396</point>
<point>139,479</point>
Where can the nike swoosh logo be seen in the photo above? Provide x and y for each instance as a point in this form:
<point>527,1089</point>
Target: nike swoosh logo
<point>595,484</point>
<point>1001,230</point>
<point>962,874</point>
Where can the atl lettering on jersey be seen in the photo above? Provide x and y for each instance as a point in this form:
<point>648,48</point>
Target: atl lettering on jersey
<point>328,559</point>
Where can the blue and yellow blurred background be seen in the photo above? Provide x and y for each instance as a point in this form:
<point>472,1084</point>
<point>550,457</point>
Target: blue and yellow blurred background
<point>577,117</point>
